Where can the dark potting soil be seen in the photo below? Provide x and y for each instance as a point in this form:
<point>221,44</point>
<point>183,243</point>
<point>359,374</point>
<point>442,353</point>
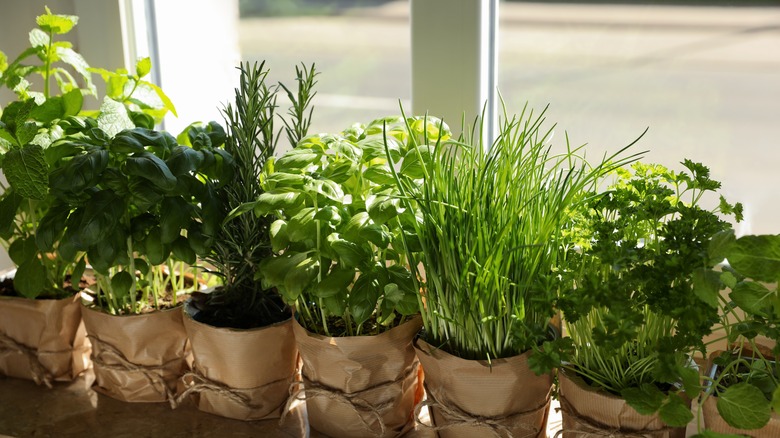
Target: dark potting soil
<point>220,310</point>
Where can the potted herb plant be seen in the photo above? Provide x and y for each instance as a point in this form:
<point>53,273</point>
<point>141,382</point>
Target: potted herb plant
<point>741,393</point>
<point>641,298</point>
<point>134,200</point>
<point>339,239</point>
<point>41,334</point>
<point>491,237</point>
<point>242,319</point>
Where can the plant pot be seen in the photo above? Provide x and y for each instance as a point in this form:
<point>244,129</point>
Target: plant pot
<point>714,421</point>
<point>588,411</point>
<point>137,358</point>
<point>474,398</point>
<point>240,374</point>
<point>42,340</point>
<point>360,386</point>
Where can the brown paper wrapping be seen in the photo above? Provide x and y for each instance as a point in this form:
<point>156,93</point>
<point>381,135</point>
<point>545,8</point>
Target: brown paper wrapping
<point>590,412</point>
<point>360,386</point>
<point>137,358</point>
<point>241,374</point>
<point>714,422</point>
<point>42,340</point>
<point>474,398</point>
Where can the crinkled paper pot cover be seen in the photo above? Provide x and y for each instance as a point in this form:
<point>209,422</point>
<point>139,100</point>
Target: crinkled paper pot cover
<point>505,391</point>
<point>380,374</point>
<point>251,370</point>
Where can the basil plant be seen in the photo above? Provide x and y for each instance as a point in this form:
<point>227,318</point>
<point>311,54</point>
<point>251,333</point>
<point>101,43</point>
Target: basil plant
<point>340,234</point>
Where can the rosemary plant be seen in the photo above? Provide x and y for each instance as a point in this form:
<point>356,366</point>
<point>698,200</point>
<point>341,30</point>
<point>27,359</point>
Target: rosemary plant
<point>491,235</point>
<point>243,240</point>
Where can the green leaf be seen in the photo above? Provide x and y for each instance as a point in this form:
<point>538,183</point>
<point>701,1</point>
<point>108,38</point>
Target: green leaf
<point>174,217</point>
<point>744,406</point>
<point>121,283</point>
<point>30,278</point>
<point>296,159</point>
<point>143,67</point>
<point>277,200</point>
<point>101,215</point>
<point>26,132</point>
<point>647,399</point>
<point>184,160</point>
<point>383,208</point>
<point>273,270</point>
<point>335,283</point>
<point>75,60</point>
<point>39,38</point>
<point>126,143</point>
<point>690,380</point>
<point>363,298</point>
<point>349,253</point>
<point>27,172</point>
<point>757,257</point>
<point>58,24</point>
<point>78,272</point>
<point>149,166</point>
<point>706,286</point>
<point>751,297</point>
<point>156,251</point>
<point>113,117</point>
<point>675,412</point>
<point>22,250</point>
<point>278,234</point>
<point>167,104</point>
<point>728,279</point>
<point>53,108</point>
<point>302,226</point>
<point>72,102</point>
<point>182,250</point>
<point>51,227</point>
<point>300,276</point>
<point>80,172</point>
<point>9,204</point>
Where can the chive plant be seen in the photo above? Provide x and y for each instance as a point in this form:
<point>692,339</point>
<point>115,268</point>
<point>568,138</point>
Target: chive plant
<point>492,229</point>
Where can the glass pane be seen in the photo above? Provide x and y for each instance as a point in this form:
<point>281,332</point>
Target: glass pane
<point>704,77</point>
<point>360,47</point>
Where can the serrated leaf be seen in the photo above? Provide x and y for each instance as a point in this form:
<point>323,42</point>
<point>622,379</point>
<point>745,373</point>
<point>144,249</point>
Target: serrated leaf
<point>58,24</point>
<point>27,172</point>
<point>675,413</point>
<point>39,38</point>
<point>728,279</point>
<point>744,406</point>
<point>690,380</point>
<point>757,257</point>
<point>751,297</point>
<point>647,399</point>
<point>75,60</point>
<point>113,117</point>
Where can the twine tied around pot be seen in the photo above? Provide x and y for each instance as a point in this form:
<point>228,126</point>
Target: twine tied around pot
<point>151,374</point>
<point>458,418</point>
<point>39,372</point>
<point>307,389</point>
<point>197,383</point>
<point>587,428</point>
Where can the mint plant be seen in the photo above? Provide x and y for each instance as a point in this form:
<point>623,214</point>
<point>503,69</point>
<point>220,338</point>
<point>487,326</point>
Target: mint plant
<point>640,293</point>
<point>747,381</point>
<point>28,129</point>
<point>339,230</point>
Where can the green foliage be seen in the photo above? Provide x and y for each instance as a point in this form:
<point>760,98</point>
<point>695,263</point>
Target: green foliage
<point>127,209</point>
<point>491,232</point>
<point>243,241</point>
<point>747,383</point>
<point>339,229</point>
<point>640,294</point>
<point>29,127</point>
<point>144,100</point>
